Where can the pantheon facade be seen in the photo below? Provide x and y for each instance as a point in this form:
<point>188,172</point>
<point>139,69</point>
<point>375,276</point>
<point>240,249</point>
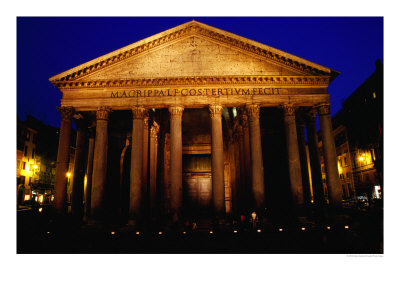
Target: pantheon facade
<point>195,122</point>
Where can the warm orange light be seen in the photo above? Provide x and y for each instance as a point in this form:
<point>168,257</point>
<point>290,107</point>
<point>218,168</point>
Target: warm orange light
<point>361,158</point>
<point>303,228</point>
<point>160,232</point>
<point>258,230</point>
<point>35,167</point>
<point>112,232</point>
<point>137,232</point>
<point>68,174</point>
<point>281,229</point>
<point>40,209</point>
<point>184,232</point>
<point>27,197</point>
<point>235,231</point>
<point>346,227</point>
<point>211,232</point>
<point>328,227</point>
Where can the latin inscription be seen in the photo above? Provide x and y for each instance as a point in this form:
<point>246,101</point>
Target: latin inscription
<point>193,92</point>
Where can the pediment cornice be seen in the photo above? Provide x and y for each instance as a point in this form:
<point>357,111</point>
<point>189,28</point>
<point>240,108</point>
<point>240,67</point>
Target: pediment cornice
<point>195,28</point>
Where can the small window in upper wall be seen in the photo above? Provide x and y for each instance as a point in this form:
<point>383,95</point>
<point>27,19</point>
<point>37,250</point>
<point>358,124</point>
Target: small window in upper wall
<point>374,95</point>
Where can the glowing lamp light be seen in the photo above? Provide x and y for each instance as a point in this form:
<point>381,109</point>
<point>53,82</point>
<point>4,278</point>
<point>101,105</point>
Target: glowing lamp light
<point>68,174</point>
<point>235,231</point>
<point>280,229</point>
<point>258,230</point>
<point>184,232</point>
<point>48,232</point>
<point>346,226</point>
<point>303,228</point>
<point>160,233</point>
<point>328,227</point>
<point>27,197</point>
<point>211,232</point>
<point>35,167</point>
<point>112,232</point>
<point>137,232</point>
<point>40,209</point>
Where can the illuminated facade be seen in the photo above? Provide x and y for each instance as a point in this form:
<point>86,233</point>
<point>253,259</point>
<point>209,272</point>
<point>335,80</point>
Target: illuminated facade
<point>194,122</point>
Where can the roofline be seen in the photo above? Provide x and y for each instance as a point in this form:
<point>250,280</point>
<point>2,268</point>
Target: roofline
<point>119,51</point>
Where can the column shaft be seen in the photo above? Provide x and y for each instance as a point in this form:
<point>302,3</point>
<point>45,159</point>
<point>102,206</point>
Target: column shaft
<point>136,180</point>
<point>304,165</point>
<point>315,163</point>
<point>145,153</point>
<point>257,166</point>
<point>63,158</point>
<point>330,158</point>
<point>176,158</point>
<point>246,150</point>
<point>100,163</point>
<point>79,171</point>
<point>153,168</point>
<point>89,173</point>
<point>217,160</point>
<point>292,146</point>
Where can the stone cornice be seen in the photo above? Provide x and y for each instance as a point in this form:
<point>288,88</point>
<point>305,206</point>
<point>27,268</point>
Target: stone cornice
<point>191,29</point>
<point>199,81</point>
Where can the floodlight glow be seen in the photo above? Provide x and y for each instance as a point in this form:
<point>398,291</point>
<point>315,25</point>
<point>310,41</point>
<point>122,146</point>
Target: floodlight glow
<point>258,230</point>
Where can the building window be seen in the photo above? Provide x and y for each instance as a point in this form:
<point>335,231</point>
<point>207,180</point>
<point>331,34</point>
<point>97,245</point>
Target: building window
<point>28,135</point>
<point>374,95</point>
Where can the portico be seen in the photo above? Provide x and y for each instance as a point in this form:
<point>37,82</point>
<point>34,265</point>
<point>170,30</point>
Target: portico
<point>187,105</point>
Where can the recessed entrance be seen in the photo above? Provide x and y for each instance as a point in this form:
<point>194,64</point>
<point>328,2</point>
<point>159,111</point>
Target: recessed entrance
<point>197,184</point>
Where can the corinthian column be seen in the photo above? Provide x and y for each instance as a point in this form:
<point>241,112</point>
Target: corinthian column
<point>176,158</point>
<point>136,180</point>
<point>100,163</point>
<point>257,166</point>
<point>330,159</point>
<point>292,146</point>
<point>217,163</point>
<point>63,158</point>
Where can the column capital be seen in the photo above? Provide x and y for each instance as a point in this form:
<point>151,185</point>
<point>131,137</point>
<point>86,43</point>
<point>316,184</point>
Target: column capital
<point>215,110</point>
<point>324,109</point>
<point>66,112</point>
<point>253,110</point>
<point>139,112</point>
<point>176,111</point>
<point>288,109</point>
<point>154,130</point>
<point>103,113</point>
<point>239,131</point>
<point>311,115</point>
<point>244,121</point>
<point>146,121</point>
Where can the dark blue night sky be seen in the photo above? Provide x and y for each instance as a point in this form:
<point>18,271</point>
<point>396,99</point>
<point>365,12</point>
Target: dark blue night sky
<point>49,46</point>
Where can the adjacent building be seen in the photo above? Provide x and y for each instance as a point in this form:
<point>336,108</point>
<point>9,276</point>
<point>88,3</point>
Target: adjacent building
<point>358,131</point>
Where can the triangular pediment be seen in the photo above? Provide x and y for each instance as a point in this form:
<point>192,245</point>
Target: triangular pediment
<point>193,50</point>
